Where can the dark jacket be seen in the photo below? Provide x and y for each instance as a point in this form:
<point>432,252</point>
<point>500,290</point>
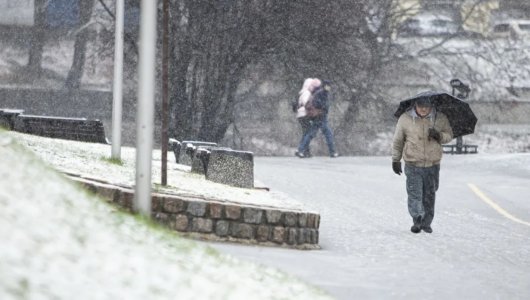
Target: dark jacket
<point>322,98</point>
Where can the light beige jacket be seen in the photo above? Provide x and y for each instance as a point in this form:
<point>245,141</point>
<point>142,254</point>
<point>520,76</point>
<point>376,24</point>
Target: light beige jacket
<point>302,100</point>
<point>310,85</point>
<point>411,138</point>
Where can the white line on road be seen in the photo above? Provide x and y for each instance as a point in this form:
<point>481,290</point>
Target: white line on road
<point>495,206</point>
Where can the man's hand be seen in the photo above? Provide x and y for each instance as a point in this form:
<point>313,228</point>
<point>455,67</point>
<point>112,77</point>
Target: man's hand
<point>396,166</point>
<point>435,135</point>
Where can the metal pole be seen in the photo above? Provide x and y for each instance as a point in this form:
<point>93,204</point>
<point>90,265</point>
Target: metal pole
<point>165,99</point>
<point>145,110</point>
<point>118,82</point>
<point>459,140</point>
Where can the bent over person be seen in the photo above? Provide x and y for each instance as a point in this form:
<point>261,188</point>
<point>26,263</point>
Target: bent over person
<point>319,121</point>
<point>418,139</point>
<point>310,86</point>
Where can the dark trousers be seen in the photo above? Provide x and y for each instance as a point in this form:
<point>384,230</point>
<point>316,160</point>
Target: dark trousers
<point>422,184</point>
<point>316,124</point>
<point>305,124</point>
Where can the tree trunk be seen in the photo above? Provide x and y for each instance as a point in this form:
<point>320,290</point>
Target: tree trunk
<point>38,39</point>
<point>73,80</point>
<point>181,118</point>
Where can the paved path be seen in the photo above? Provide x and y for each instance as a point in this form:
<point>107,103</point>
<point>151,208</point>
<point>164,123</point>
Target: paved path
<point>480,248</point>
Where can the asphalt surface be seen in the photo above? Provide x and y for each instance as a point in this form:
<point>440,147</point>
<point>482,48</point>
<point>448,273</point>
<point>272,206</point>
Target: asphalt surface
<point>480,247</point>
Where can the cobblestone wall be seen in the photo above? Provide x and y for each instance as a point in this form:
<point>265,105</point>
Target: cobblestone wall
<point>221,221</point>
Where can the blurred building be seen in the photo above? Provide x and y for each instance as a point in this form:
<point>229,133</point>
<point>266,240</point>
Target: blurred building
<point>16,13</point>
<point>475,18</point>
<point>478,17</point>
<point>513,9</point>
<point>60,14</point>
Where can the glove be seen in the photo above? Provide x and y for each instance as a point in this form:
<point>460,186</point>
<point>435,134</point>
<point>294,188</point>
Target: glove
<point>435,135</point>
<point>396,166</point>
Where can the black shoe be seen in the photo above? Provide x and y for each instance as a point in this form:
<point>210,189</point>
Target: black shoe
<point>333,155</point>
<point>299,154</point>
<point>415,228</point>
<point>427,229</point>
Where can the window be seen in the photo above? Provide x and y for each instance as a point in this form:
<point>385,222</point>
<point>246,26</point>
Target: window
<point>501,28</point>
<point>440,23</point>
<point>524,27</point>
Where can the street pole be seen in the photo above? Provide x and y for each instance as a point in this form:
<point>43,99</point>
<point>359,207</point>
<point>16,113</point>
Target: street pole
<point>145,110</point>
<point>464,93</point>
<point>165,99</point>
<point>118,82</point>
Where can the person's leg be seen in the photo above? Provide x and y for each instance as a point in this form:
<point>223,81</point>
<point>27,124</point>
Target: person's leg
<point>430,186</point>
<point>328,134</point>
<point>305,124</point>
<point>414,184</point>
<point>308,136</point>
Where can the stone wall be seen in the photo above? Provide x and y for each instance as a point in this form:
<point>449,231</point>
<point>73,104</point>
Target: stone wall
<point>224,221</point>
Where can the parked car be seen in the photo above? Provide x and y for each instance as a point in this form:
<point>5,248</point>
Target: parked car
<point>428,24</point>
<point>511,28</point>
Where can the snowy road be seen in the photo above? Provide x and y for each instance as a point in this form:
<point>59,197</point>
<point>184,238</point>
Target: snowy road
<point>480,247</point>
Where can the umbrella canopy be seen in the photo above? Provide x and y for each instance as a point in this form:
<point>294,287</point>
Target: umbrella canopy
<point>461,117</point>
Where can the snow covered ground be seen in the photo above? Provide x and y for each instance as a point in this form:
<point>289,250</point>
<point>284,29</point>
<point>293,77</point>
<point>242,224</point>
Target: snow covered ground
<point>92,161</point>
<point>58,242</point>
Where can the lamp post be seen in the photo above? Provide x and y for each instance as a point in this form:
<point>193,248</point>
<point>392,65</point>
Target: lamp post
<point>165,97</point>
<point>118,82</point>
<point>145,110</point>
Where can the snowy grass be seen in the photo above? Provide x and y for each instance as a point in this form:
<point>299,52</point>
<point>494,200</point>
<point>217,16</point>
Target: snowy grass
<point>59,242</point>
<point>93,161</point>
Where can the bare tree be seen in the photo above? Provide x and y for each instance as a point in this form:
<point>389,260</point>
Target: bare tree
<point>215,41</point>
<point>38,38</point>
<point>73,80</point>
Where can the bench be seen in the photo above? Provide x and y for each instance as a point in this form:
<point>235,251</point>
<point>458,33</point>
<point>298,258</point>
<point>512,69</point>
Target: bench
<point>460,149</point>
<point>185,150</point>
<point>77,129</point>
<point>175,146</point>
<point>7,117</point>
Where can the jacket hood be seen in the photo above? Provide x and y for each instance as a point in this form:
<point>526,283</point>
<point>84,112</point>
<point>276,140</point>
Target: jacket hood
<point>431,116</point>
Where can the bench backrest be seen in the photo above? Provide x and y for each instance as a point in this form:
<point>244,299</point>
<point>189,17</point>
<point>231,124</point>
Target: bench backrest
<point>78,129</point>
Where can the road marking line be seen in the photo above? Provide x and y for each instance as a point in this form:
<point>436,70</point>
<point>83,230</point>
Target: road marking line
<point>494,205</point>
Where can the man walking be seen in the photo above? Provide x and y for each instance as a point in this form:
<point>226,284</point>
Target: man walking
<point>418,139</point>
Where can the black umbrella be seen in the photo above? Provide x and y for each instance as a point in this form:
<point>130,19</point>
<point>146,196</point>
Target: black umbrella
<point>461,117</point>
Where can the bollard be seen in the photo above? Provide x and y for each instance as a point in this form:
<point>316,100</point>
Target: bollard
<point>187,150</point>
<point>175,146</point>
<point>231,167</point>
<point>199,163</point>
